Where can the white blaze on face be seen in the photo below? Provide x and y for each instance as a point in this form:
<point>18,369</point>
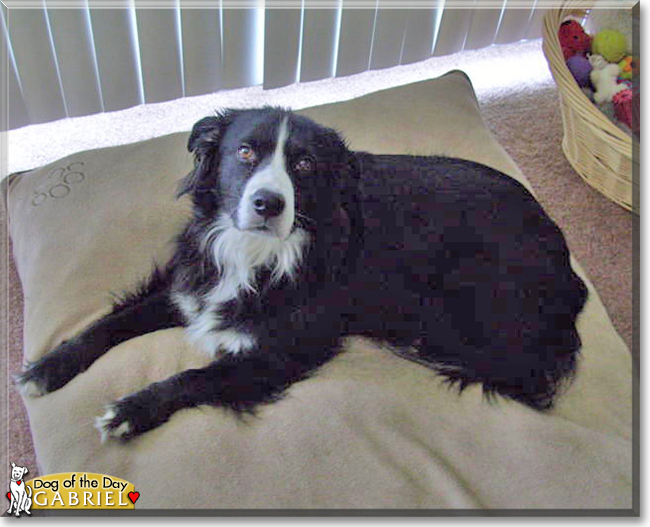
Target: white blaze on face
<point>274,178</point>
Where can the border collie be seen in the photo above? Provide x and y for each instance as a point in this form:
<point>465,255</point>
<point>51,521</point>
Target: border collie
<point>296,242</point>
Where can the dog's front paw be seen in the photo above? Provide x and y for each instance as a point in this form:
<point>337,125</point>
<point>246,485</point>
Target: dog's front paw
<point>41,377</point>
<point>52,372</point>
<point>32,382</point>
<point>131,416</point>
<point>114,423</point>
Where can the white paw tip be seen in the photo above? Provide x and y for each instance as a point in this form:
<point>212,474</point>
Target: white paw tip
<point>101,424</point>
<point>121,430</point>
<point>28,388</point>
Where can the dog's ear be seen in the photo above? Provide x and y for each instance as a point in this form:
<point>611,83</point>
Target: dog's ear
<point>13,465</point>
<point>204,131</point>
<point>204,142</point>
<point>196,181</point>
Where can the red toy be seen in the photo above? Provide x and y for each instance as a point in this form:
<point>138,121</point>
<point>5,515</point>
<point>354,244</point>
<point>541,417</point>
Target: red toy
<point>573,39</point>
<point>623,106</point>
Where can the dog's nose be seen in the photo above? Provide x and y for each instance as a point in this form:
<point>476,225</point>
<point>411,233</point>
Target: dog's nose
<point>267,204</point>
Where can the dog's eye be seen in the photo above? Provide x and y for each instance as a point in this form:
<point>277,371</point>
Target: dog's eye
<point>305,164</point>
<point>246,153</point>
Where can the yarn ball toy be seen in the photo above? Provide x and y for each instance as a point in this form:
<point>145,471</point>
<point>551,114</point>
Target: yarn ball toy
<point>604,81</point>
<point>625,68</point>
<point>580,68</point>
<point>611,44</point>
<point>573,39</point>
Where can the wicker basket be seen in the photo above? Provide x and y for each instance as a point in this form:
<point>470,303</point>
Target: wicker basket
<point>596,148</point>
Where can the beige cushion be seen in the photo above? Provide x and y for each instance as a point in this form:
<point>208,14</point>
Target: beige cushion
<point>370,430</point>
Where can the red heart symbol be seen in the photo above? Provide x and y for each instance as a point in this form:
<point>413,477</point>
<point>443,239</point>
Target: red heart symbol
<point>8,495</point>
<point>133,496</point>
<point>19,481</point>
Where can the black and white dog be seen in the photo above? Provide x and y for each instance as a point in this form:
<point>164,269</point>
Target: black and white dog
<point>296,241</point>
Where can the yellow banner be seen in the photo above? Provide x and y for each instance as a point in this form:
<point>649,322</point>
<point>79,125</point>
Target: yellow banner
<point>81,490</point>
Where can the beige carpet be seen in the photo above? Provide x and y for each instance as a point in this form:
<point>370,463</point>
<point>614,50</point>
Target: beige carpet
<point>524,116</point>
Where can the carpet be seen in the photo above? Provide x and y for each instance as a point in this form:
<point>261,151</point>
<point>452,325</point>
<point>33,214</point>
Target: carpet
<point>519,102</point>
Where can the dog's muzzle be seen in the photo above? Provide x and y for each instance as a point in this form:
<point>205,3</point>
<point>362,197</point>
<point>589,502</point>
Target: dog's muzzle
<point>266,211</point>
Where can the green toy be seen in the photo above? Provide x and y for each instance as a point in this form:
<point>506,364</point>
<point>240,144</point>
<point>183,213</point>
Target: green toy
<point>610,44</point>
<point>626,68</point>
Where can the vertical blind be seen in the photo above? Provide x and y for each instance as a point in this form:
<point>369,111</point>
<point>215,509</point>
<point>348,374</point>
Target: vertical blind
<point>73,58</point>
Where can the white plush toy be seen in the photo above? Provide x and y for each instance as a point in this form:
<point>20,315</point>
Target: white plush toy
<point>603,77</point>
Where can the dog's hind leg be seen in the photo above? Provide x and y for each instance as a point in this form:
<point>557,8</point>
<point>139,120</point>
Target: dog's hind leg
<point>527,360</point>
<point>146,311</point>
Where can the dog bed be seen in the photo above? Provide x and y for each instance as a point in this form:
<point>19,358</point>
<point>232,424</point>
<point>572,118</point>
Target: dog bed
<point>370,430</point>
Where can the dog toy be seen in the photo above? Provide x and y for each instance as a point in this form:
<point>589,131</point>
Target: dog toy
<point>623,106</point>
<point>627,83</point>
<point>611,44</point>
<point>626,68</point>
<point>603,77</point>
<point>580,68</point>
<point>573,39</point>
<point>597,62</point>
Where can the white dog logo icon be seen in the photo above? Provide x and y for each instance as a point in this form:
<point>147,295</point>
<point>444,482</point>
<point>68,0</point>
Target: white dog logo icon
<point>21,495</point>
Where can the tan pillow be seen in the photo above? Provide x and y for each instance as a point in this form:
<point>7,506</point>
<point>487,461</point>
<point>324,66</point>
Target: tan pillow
<point>369,430</point>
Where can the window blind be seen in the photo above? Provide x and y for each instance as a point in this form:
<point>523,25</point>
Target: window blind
<point>77,57</point>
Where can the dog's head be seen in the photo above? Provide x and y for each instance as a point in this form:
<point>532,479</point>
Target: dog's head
<point>271,171</point>
<point>17,472</point>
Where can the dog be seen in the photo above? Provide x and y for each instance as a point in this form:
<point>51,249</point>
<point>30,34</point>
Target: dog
<point>21,494</point>
<point>296,241</point>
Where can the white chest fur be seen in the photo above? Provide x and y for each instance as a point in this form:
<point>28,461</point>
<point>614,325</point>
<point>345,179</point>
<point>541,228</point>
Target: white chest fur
<point>237,255</point>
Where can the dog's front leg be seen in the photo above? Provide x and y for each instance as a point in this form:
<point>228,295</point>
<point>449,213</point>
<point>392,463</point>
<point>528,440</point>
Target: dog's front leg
<point>292,349</point>
<point>77,354</point>
<point>16,500</point>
